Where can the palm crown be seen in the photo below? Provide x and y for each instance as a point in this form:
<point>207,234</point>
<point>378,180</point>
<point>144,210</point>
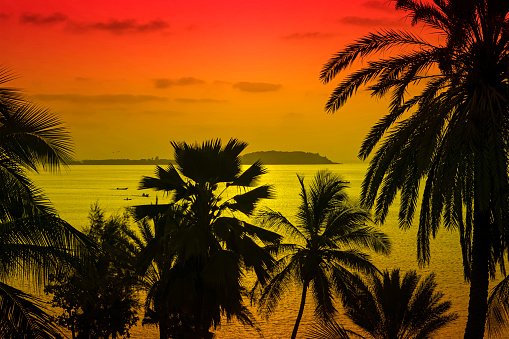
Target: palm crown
<point>446,129</point>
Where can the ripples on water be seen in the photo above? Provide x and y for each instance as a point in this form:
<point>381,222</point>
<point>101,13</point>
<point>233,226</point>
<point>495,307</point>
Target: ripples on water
<point>73,191</point>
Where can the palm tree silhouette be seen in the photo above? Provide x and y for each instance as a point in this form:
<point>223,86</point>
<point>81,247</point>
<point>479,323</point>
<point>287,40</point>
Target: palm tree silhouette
<point>159,277</point>
<point>391,306</point>
<point>209,242</point>
<point>325,242</point>
<point>34,241</point>
<point>449,135</point>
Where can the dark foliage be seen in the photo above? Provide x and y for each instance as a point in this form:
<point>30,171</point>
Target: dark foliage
<point>100,300</point>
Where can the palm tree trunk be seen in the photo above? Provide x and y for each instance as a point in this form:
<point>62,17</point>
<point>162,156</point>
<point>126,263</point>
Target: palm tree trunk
<point>163,331</point>
<point>479,277</point>
<point>301,309</point>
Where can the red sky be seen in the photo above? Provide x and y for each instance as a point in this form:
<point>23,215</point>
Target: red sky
<point>129,76</point>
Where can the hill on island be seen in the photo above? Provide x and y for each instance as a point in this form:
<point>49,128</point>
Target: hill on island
<point>286,158</point>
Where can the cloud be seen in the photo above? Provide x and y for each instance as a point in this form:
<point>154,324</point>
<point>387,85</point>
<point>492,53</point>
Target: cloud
<point>99,99</point>
<point>379,5</point>
<point>4,16</point>
<point>369,22</point>
<point>256,87</point>
<point>162,83</point>
<point>199,101</point>
<point>307,35</point>
<point>42,20</point>
<point>119,27</point>
<point>114,26</point>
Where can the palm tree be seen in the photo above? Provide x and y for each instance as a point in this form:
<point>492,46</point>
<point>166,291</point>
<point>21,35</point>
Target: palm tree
<point>209,243</point>
<point>154,247</point>
<point>33,239</point>
<point>325,242</point>
<point>446,128</point>
<point>389,306</point>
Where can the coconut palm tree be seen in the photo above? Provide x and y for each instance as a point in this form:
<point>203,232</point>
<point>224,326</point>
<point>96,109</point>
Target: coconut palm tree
<point>390,306</point>
<point>324,244</point>
<point>209,244</point>
<point>33,239</point>
<point>446,129</point>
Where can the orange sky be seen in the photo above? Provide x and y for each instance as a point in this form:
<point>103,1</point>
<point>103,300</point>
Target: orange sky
<point>130,76</point>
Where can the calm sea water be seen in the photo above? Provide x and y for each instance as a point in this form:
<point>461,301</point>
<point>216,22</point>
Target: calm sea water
<point>73,191</point>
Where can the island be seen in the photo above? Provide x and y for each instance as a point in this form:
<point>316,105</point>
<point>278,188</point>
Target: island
<point>286,158</point>
<point>267,157</point>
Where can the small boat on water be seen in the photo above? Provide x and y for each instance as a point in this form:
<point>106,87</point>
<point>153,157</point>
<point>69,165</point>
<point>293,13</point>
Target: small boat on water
<point>121,188</point>
<point>128,199</point>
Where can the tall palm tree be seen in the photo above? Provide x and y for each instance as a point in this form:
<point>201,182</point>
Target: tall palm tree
<point>325,242</point>
<point>391,306</point>
<point>446,128</point>
<point>210,244</point>
<point>33,239</point>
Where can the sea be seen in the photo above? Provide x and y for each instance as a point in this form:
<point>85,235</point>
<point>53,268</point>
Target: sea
<point>115,187</point>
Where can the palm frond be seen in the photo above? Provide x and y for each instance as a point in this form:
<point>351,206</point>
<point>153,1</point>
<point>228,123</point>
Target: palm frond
<point>246,202</point>
<point>209,162</point>
<point>35,246</point>
<point>250,176</point>
<point>498,308</point>
<point>276,221</point>
<point>35,138</point>
<point>330,330</point>
<point>372,43</point>
<point>24,316</point>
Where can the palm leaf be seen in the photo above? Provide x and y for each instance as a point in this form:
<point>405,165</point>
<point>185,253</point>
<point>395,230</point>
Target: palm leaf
<point>246,202</point>
<point>24,316</point>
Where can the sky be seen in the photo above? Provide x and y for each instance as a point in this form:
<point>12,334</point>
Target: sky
<point>128,77</point>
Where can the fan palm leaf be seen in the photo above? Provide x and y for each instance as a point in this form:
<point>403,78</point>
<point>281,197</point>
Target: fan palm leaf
<point>390,306</point>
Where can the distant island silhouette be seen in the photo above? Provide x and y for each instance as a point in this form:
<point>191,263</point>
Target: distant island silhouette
<point>267,157</point>
<point>285,158</point>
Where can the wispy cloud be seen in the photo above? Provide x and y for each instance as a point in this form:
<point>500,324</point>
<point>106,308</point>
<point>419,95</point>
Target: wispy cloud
<point>379,5</point>
<point>162,83</point>
<point>119,27</point>
<point>256,86</point>
<point>4,16</point>
<point>199,101</point>
<point>307,36</point>
<point>99,99</point>
<point>42,20</point>
<point>114,26</point>
<point>369,22</point>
